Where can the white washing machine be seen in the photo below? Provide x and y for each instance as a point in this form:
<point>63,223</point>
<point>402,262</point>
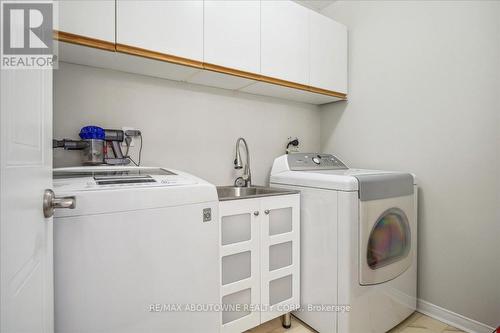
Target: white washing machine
<point>358,243</point>
<point>138,250</point>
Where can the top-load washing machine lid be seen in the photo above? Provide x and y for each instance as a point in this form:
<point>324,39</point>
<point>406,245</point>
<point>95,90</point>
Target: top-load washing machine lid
<point>108,178</point>
<point>108,189</point>
<point>323,171</point>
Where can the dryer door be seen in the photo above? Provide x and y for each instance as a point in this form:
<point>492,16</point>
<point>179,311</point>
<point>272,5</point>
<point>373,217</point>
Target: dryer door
<point>386,250</point>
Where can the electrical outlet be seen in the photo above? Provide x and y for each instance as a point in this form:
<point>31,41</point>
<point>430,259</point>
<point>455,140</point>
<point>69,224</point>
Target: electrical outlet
<point>291,148</point>
<point>134,138</point>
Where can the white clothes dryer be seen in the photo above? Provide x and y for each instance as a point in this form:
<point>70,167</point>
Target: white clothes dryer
<point>358,243</point>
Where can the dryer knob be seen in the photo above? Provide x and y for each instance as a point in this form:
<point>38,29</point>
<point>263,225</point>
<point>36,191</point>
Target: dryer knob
<point>316,160</point>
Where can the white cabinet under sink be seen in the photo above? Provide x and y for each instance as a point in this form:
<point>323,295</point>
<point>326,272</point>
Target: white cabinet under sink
<point>173,27</point>
<point>285,41</point>
<point>260,256</point>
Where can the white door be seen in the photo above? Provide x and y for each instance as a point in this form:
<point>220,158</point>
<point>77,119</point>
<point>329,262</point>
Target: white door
<point>240,263</point>
<point>285,41</point>
<point>94,19</point>
<point>173,27</point>
<point>232,34</point>
<point>26,285</point>
<point>328,53</point>
<point>280,255</point>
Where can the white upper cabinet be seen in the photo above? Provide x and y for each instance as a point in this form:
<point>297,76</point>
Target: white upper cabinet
<point>274,41</point>
<point>94,19</point>
<point>169,27</point>
<point>232,34</point>
<point>285,41</point>
<point>328,53</point>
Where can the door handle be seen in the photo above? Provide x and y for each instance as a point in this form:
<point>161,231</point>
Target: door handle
<point>51,202</point>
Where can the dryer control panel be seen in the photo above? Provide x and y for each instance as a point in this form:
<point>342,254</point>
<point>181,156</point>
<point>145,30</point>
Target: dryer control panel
<point>314,161</point>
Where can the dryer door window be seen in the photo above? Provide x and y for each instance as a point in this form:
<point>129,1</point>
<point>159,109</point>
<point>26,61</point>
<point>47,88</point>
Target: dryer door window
<point>389,240</point>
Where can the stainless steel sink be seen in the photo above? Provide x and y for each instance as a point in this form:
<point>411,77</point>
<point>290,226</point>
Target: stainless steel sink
<point>234,193</point>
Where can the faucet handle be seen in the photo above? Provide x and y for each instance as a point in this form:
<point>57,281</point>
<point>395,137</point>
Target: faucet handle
<point>240,182</point>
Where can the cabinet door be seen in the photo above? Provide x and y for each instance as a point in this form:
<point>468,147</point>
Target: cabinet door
<point>168,27</point>
<point>280,255</point>
<point>328,53</point>
<point>240,262</point>
<point>232,34</point>
<point>94,19</point>
<point>285,41</point>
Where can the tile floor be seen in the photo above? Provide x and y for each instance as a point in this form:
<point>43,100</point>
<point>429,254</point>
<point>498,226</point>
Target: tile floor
<point>416,323</point>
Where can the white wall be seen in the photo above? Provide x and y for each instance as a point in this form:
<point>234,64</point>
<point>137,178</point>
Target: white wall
<point>424,97</point>
<point>186,127</point>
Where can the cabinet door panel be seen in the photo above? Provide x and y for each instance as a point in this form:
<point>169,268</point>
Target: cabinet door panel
<point>280,221</point>
<point>236,267</point>
<point>236,228</point>
<point>94,19</point>
<point>328,53</point>
<point>171,27</point>
<point>280,289</point>
<point>280,254</point>
<point>232,34</point>
<point>240,262</point>
<point>240,297</point>
<point>285,41</point>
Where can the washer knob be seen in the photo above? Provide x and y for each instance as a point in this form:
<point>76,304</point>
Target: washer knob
<point>316,160</point>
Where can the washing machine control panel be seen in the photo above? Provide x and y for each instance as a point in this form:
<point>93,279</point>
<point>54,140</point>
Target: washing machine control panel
<point>314,161</point>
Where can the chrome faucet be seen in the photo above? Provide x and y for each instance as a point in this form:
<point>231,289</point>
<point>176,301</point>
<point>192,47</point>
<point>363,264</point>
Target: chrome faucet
<point>246,179</point>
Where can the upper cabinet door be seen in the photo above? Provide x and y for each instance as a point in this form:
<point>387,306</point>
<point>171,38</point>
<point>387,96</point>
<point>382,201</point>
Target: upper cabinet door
<point>285,41</point>
<point>168,27</point>
<point>328,53</point>
<point>94,19</point>
<point>232,34</point>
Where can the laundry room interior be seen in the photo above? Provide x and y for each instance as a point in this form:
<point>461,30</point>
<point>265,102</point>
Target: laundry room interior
<point>259,166</point>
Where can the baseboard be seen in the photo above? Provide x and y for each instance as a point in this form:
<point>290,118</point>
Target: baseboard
<point>452,318</point>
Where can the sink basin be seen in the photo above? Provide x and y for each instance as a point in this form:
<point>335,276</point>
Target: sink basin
<point>234,193</point>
